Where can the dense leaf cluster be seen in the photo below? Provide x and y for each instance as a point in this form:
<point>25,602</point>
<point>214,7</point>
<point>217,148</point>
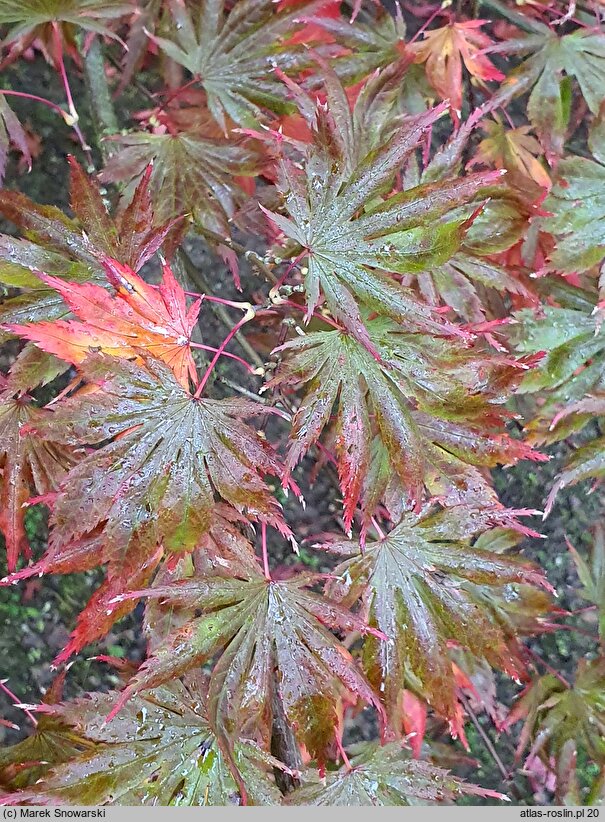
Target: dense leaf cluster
<point>421,197</point>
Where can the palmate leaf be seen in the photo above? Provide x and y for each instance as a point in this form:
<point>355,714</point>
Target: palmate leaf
<point>588,461</point>
<point>431,404</point>
<point>233,54</point>
<point>387,775</point>
<point>28,17</point>
<point>445,49</point>
<point>465,281</point>
<point>422,586</point>
<point>373,41</point>
<point>577,207</point>
<point>349,236</point>
<point>513,149</point>
<point>71,249</point>
<point>51,743</point>
<point>554,714</point>
<point>27,466</point>
<point>166,456</point>
<point>191,173</point>
<point>160,750</point>
<point>137,317</point>
<point>574,364</point>
<point>548,71</point>
<point>170,453</point>
<point>271,635</point>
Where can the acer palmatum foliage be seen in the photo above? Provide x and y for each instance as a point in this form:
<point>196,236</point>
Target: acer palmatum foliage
<point>411,208</point>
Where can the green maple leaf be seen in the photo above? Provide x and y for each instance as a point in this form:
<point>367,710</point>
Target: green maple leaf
<point>233,54</point>
<point>571,336</point>
<point>190,173</point>
<point>548,71</point>
<point>52,743</point>
<point>169,453</point>
<point>351,239</point>
<point>385,776</point>
<point>166,456</point>
<point>160,750</point>
<point>28,16</point>
<point>464,280</point>
<point>373,41</point>
<point>577,206</point>
<point>554,714</point>
<point>259,626</point>
<point>591,573</point>
<point>71,248</point>
<point>428,406</point>
<point>423,586</point>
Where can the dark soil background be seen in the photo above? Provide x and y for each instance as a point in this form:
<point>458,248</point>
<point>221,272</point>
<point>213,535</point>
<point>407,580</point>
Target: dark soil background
<point>36,617</point>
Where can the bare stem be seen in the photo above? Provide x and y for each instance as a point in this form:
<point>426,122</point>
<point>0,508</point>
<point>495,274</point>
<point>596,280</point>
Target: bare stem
<point>343,754</point>
<point>489,745</point>
<point>231,356</point>
<point>537,658</point>
<point>267,570</point>
<point>16,700</point>
<point>73,113</point>
<point>219,351</point>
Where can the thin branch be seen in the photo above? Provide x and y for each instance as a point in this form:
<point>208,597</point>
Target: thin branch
<point>489,745</point>
<point>266,569</point>
<point>203,286</point>
<point>537,658</point>
<point>16,701</point>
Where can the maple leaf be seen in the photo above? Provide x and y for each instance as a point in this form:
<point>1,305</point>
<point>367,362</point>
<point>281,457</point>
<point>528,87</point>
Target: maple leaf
<point>166,455</point>
<point>513,149</point>
<point>554,714</point>
<point>28,18</point>
<point>588,461</point>
<point>191,172</point>
<point>51,744</point>
<point>137,318</point>
<point>572,336</point>
<point>350,237</point>
<point>160,750</point>
<point>577,207</point>
<point>445,49</point>
<point>260,625</point>
<point>71,249</point>
<point>232,54</point>
<point>26,465</point>
<point>422,586</point>
<point>427,401</point>
<point>367,44</point>
<point>580,54</point>
<point>385,776</point>
<point>11,133</point>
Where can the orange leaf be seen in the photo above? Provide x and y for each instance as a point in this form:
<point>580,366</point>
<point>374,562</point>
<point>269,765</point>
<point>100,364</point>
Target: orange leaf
<point>514,149</point>
<point>445,49</point>
<point>137,316</point>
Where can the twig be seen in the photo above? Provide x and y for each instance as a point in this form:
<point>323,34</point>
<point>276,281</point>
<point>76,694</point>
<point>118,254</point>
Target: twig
<point>537,658</point>
<point>484,737</point>
<point>222,315</point>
